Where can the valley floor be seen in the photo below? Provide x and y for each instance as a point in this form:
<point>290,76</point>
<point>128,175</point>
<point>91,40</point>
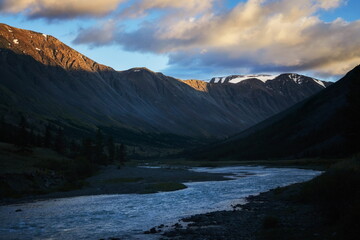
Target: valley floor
<point>327,207</point>
<point>270,215</point>
<point>130,179</point>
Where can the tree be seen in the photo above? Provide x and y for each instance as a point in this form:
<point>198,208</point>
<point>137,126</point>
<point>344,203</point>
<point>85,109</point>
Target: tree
<point>87,149</point>
<point>39,140</point>
<point>32,138</point>
<point>23,135</point>
<point>3,130</point>
<point>121,154</point>
<point>74,148</point>
<point>8,133</point>
<point>111,149</point>
<point>60,141</point>
<point>99,147</point>
<point>48,137</point>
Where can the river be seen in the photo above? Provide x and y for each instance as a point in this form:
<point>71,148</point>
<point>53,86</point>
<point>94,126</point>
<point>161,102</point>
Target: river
<point>126,216</point>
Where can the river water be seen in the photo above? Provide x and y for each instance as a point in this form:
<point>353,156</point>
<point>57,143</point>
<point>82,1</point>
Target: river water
<point>126,216</point>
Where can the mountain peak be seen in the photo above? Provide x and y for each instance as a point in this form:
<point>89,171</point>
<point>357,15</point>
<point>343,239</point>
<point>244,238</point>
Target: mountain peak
<point>44,77</point>
<point>46,49</point>
<point>239,78</point>
<point>264,78</point>
<point>139,69</point>
<point>324,125</point>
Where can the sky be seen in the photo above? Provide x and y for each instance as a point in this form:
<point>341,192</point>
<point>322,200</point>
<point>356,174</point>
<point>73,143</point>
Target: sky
<point>201,39</point>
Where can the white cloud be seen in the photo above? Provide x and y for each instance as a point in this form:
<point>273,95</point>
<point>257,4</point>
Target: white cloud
<point>59,8</point>
<point>327,4</point>
<point>190,7</point>
<point>271,35</point>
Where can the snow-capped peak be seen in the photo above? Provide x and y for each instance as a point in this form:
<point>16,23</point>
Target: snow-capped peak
<point>239,78</point>
<point>296,78</point>
<point>299,79</point>
<point>262,78</point>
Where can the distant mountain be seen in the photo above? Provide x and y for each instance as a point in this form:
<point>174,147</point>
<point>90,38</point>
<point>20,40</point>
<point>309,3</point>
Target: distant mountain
<point>48,81</point>
<point>325,125</point>
<point>297,78</point>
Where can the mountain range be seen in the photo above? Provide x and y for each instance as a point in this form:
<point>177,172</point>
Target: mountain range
<point>324,125</point>
<point>48,81</point>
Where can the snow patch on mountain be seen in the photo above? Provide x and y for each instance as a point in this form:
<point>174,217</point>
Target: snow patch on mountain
<point>299,79</point>
<point>319,82</point>
<point>239,78</point>
<point>219,79</point>
<point>262,78</point>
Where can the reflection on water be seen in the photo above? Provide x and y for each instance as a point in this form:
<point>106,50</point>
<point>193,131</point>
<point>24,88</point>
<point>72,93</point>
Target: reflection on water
<point>128,215</point>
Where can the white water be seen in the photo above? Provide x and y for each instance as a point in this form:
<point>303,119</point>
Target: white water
<point>127,216</point>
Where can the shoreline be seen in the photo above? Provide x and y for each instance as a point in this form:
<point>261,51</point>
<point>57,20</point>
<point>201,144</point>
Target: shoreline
<point>267,215</point>
<point>128,180</point>
<point>279,213</point>
<point>128,184</point>
<point>326,207</point>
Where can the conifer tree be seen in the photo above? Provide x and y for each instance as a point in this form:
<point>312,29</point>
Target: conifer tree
<point>87,149</point>
<point>99,147</point>
<point>60,141</point>
<point>121,154</point>
<point>111,149</point>
<point>48,137</point>
<point>32,138</point>
<point>3,131</point>
<point>39,140</point>
<point>23,136</point>
<point>74,148</point>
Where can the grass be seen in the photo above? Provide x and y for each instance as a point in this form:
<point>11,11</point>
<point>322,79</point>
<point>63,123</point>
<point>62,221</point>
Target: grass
<point>163,187</point>
<point>123,180</point>
<point>270,222</point>
<point>30,172</point>
<point>310,163</point>
<point>14,161</point>
<point>70,186</point>
<point>336,194</point>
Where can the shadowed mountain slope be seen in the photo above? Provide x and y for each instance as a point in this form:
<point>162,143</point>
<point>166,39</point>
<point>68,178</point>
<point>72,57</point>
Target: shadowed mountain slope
<point>44,79</point>
<point>325,125</point>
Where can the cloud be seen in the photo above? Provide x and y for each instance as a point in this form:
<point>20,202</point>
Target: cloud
<point>56,9</point>
<point>102,34</point>
<point>256,35</point>
<point>190,7</point>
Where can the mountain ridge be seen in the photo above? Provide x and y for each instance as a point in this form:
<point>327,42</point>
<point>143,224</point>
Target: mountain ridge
<point>297,78</point>
<point>324,125</point>
<point>44,77</point>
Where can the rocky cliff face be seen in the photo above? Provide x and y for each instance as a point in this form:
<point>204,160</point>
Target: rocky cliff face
<point>44,78</point>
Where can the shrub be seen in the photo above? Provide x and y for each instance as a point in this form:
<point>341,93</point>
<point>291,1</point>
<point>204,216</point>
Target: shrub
<point>270,222</point>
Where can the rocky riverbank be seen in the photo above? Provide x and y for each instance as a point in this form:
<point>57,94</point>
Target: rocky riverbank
<point>327,207</point>
<point>271,215</point>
